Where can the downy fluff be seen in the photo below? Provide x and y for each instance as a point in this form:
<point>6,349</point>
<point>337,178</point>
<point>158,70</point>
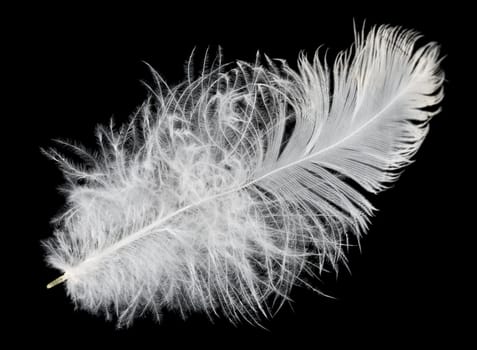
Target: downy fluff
<point>225,191</point>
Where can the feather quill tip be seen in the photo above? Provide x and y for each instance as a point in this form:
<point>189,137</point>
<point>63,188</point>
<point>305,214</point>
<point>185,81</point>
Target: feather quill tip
<point>57,281</point>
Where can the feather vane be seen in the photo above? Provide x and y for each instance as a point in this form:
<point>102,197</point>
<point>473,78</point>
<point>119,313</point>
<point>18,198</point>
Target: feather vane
<point>224,192</point>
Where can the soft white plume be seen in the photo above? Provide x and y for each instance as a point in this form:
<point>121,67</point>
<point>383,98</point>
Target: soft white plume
<point>225,191</point>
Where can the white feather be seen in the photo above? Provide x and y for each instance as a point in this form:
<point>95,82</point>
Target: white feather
<point>223,192</point>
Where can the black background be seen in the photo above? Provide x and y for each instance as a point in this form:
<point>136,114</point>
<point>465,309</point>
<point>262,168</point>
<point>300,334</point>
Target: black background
<point>78,68</point>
